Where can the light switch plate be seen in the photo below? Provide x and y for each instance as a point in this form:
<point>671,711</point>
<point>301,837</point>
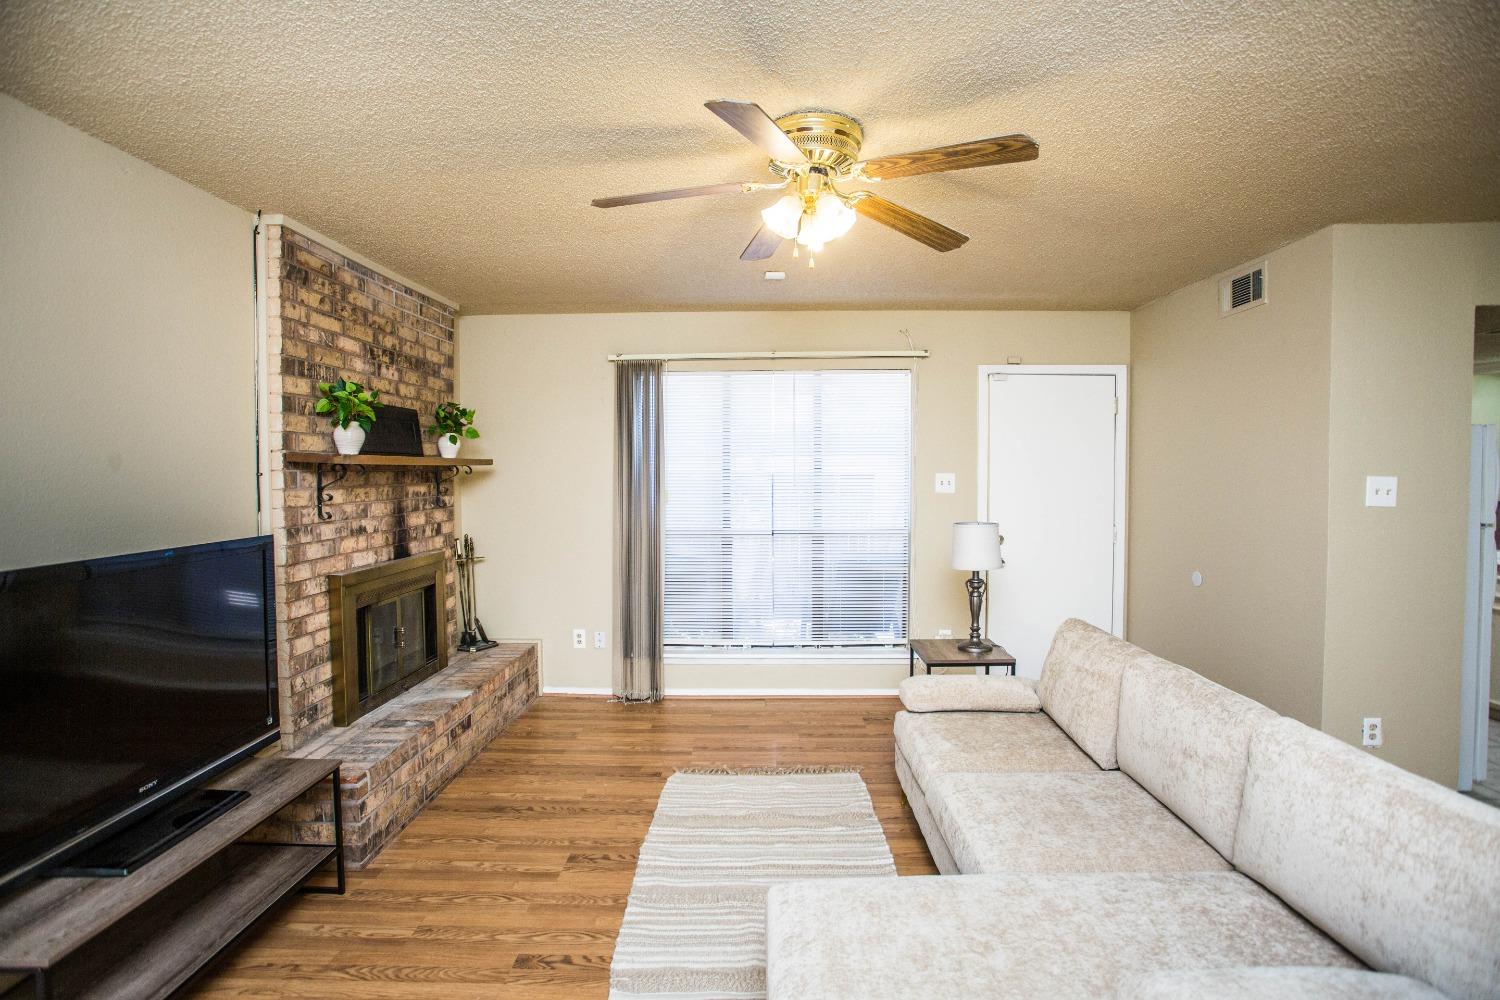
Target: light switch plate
<point>947,482</point>
<point>1380,491</point>
<point>598,640</point>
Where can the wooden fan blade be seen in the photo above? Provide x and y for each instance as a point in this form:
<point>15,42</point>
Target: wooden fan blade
<point>754,124</point>
<point>692,192</point>
<point>908,223</point>
<point>961,156</point>
<point>762,246</point>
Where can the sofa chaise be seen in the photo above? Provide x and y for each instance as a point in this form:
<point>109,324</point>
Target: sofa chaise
<point>1145,833</point>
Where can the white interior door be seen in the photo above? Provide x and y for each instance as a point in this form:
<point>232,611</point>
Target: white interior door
<point>1479,604</point>
<point>1055,484</point>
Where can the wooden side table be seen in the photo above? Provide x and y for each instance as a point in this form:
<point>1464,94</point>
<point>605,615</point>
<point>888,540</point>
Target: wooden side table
<point>945,653</point>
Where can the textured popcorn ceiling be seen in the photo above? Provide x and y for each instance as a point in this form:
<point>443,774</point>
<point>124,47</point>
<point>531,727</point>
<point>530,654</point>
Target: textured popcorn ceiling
<point>459,142</point>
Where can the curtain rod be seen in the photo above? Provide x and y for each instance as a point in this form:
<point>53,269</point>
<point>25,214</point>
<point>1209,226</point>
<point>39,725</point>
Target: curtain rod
<point>766,355</point>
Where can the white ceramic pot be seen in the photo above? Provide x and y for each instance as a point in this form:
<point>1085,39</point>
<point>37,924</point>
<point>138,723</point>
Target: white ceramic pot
<point>348,440</point>
<point>447,447</point>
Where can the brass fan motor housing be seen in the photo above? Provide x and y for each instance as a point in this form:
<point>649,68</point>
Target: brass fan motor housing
<point>827,138</point>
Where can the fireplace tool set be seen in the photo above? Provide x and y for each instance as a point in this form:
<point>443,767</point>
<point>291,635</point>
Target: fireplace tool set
<point>472,638</point>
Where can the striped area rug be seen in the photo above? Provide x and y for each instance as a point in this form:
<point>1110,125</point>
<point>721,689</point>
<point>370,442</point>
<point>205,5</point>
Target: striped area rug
<point>695,922</point>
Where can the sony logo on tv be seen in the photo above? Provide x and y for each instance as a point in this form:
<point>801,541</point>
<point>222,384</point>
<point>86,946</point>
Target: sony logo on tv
<point>147,786</point>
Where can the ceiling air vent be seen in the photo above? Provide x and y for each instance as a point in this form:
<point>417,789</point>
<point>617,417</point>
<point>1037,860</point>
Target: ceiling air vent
<point>1243,290</point>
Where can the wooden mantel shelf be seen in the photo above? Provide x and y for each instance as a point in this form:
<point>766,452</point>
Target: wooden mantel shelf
<point>344,463</point>
<point>416,461</point>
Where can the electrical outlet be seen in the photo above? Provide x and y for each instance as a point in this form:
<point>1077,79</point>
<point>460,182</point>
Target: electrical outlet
<point>945,633</point>
<point>1373,735</point>
<point>946,482</point>
<point>598,640</point>
<point>580,638</point>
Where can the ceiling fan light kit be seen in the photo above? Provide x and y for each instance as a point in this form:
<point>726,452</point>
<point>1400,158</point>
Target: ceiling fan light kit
<point>812,225</point>
<point>812,152</point>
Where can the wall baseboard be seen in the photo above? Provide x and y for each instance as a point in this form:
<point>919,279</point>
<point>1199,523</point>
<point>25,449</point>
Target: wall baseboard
<point>781,692</point>
<point>592,692</point>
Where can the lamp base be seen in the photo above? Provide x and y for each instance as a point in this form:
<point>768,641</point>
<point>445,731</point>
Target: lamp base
<point>975,643</point>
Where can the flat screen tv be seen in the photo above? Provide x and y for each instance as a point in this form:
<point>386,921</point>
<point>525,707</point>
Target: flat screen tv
<point>125,683</point>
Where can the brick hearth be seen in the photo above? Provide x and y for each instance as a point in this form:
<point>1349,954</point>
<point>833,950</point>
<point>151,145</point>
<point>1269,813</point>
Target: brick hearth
<point>399,756</point>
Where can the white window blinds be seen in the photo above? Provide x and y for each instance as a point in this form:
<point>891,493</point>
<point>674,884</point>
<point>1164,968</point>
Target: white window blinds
<point>788,508</point>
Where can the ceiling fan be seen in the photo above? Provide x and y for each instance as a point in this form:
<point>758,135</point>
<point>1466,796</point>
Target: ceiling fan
<point>814,151</point>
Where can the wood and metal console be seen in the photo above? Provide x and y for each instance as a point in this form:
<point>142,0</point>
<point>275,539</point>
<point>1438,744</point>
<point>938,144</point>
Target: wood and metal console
<point>146,934</point>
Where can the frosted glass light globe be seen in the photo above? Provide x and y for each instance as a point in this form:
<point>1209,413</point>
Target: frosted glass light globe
<point>781,218</point>
<point>831,219</point>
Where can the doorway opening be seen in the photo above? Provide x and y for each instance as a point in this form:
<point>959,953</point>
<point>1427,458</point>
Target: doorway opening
<point>1479,736</point>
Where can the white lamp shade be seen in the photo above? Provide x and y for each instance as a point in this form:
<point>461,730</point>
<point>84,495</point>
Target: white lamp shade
<point>976,545</point>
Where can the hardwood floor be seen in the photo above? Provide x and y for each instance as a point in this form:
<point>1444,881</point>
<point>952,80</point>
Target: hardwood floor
<point>512,882</point>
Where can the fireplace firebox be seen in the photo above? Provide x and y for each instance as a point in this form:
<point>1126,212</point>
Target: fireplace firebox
<point>388,631</point>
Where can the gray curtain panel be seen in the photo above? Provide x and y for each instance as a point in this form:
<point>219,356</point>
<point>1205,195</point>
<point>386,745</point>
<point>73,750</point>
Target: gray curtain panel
<point>638,530</point>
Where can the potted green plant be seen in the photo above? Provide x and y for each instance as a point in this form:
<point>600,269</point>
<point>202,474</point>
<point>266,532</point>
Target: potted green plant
<point>351,407</point>
<point>453,424</point>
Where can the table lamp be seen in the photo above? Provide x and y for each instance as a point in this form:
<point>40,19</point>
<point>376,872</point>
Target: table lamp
<point>976,547</point>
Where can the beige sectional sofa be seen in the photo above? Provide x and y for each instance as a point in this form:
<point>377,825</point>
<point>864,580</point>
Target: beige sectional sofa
<point>1149,834</point>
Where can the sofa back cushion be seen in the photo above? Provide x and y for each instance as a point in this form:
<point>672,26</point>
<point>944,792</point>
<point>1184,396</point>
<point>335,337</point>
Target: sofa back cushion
<point>1398,869</point>
<point>1080,686</point>
<point>1186,740</point>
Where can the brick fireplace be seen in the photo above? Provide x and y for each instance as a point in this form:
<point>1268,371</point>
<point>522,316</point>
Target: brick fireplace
<point>327,316</point>
<point>330,315</point>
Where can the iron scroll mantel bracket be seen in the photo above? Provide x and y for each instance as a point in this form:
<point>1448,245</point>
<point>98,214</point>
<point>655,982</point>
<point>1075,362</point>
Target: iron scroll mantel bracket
<point>443,475</point>
<point>330,476</point>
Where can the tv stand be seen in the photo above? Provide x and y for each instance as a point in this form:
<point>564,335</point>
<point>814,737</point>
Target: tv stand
<point>143,936</point>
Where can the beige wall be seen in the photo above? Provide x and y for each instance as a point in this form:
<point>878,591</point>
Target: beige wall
<point>544,394</point>
<point>1400,399</point>
<point>1229,477</point>
<point>127,388</point>
<point>1251,439</point>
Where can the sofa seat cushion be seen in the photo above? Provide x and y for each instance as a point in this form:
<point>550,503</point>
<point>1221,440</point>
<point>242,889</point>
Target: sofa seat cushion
<point>944,742</point>
<point>1402,871</point>
<point>937,849</point>
<point>958,693</point>
<point>1257,982</point>
<point>1022,936</point>
<point>1080,685</point>
<point>1101,822</point>
<point>1186,740</point>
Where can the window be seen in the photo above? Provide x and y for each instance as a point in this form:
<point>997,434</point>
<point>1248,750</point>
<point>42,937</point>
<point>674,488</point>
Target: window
<point>788,508</point>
